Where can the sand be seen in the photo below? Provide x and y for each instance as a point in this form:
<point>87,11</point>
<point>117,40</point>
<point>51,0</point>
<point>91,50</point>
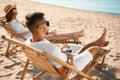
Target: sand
<point>64,20</point>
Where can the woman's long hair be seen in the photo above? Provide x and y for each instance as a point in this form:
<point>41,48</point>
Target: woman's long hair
<point>9,15</point>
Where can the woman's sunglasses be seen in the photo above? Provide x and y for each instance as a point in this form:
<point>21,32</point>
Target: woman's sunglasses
<point>15,11</point>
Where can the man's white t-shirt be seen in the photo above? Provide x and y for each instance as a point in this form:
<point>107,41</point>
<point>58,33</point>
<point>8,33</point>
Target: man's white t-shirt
<point>79,61</point>
<point>50,48</point>
<point>19,28</point>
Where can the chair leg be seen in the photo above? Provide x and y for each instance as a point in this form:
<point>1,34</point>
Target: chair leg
<point>101,64</point>
<point>38,75</point>
<point>103,61</point>
<point>25,69</point>
<point>7,50</point>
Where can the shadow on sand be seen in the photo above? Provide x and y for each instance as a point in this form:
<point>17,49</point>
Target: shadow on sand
<point>108,72</point>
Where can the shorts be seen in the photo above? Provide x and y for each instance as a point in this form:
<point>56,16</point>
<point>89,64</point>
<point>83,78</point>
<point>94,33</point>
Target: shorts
<point>80,61</point>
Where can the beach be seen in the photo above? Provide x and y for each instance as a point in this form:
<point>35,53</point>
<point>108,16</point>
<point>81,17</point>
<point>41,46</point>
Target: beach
<point>64,20</point>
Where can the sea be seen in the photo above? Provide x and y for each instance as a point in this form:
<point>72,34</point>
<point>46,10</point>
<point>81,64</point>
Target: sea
<point>105,6</point>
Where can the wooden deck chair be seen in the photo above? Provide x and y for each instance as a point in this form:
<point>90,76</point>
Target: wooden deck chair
<point>40,60</point>
<point>11,49</point>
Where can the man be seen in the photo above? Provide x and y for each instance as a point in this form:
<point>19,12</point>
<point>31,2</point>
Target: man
<point>37,24</point>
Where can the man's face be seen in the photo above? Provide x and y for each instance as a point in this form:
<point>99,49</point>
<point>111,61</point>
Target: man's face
<point>45,28</point>
<point>44,24</point>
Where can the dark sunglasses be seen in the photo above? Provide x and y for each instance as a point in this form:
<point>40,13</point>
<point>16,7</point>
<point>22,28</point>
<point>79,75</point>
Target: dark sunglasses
<point>46,22</point>
<point>14,11</point>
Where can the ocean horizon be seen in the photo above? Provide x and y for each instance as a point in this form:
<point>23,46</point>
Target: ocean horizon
<point>104,6</point>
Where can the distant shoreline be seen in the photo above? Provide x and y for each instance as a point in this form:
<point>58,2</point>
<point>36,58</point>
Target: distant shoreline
<point>60,5</point>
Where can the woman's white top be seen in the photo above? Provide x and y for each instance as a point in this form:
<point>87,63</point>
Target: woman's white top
<point>19,28</point>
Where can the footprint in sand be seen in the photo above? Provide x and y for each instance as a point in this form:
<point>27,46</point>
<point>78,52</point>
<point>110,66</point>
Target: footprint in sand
<point>1,61</point>
<point>10,66</point>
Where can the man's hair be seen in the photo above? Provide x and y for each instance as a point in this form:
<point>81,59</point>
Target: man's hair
<point>32,20</point>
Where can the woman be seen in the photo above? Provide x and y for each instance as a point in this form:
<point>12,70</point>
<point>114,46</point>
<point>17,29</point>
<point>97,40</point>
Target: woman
<point>11,16</point>
<point>13,23</point>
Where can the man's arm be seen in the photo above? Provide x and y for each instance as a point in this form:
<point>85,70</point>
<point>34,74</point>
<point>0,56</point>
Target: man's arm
<point>62,71</point>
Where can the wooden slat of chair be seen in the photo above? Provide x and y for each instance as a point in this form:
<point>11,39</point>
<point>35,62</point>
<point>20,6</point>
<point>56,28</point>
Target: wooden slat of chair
<point>94,62</point>
<point>102,54</point>
<point>33,54</point>
<point>67,41</point>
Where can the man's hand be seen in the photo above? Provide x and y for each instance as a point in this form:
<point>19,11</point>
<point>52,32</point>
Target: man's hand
<point>64,47</point>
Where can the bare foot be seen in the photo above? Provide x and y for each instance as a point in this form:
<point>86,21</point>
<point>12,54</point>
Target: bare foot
<point>101,41</point>
<point>78,34</point>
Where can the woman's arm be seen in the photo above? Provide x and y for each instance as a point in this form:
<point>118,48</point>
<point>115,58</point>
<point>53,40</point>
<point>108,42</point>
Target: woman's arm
<point>74,36</point>
<point>62,71</point>
<point>24,33</point>
<point>51,37</point>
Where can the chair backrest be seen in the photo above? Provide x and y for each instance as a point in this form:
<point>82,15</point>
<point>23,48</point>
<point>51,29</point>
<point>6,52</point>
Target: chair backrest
<point>8,28</point>
<point>40,58</point>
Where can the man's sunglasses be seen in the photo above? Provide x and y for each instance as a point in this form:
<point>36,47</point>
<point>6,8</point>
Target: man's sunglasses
<point>46,22</point>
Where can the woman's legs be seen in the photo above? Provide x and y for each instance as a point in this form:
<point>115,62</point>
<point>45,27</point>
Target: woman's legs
<point>64,36</point>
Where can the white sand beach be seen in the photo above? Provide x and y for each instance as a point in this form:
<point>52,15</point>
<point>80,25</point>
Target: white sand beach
<point>64,20</point>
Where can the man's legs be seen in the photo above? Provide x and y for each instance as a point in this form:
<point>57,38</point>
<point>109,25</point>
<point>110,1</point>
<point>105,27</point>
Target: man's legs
<point>93,50</point>
<point>92,47</point>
